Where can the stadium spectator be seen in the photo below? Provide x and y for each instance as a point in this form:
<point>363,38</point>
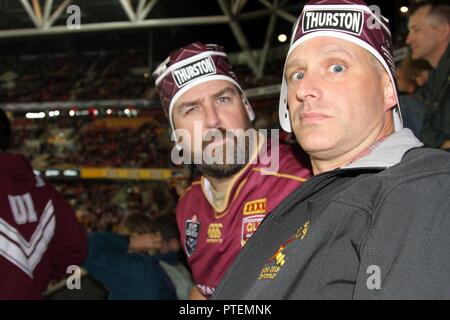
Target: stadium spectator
<point>429,37</point>
<point>141,263</point>
<point>411,75</point>
<point>39,234</point>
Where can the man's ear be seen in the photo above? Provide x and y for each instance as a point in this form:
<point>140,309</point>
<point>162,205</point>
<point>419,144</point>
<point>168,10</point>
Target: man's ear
<point>389,93</point>
<point>443,32</point>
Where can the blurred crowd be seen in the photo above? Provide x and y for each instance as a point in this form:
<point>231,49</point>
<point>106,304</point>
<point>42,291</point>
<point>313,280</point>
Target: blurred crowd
<point>81,141</point>
<point>102,206</point>
<point>93,76</point>
<point>69,76</point>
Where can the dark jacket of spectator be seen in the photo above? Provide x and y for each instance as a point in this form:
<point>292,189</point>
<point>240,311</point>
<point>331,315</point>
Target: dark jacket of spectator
<point>436,95</point>
<point>413,111</point>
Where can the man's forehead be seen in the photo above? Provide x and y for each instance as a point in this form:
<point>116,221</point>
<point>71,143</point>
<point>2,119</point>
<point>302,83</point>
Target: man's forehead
<point>205,90</point>
<point>419,16</point>
<point>326,46</point>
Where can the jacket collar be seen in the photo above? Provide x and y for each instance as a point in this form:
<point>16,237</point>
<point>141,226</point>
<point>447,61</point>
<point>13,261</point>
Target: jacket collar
<point>389,152</point>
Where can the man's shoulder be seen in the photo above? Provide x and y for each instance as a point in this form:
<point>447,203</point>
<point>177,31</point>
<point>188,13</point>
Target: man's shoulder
<point>192,197</point>
<point>422,173</point>
<point>422,161</point>
<point>194,190</point>
<point>293,163</point>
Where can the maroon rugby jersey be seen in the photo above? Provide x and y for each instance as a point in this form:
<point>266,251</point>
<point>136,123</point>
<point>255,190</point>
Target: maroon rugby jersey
<point>39,234</point>
<point>211,239</point>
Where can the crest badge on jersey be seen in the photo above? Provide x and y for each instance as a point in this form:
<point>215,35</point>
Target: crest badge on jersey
<point>192,230</point>
<point>249,226</point>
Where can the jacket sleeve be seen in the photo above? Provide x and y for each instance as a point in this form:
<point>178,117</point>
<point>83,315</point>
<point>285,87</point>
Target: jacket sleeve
<point>107,258</point>
<point>406,255</point>
<point>110,263</point>
<point>69,245</point>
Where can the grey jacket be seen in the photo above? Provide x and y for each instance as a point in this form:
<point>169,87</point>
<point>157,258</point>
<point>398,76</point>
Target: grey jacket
<point>376,229</point>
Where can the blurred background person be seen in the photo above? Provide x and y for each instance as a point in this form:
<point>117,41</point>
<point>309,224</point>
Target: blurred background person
<point>411,75</point>
<point>39,234</point>
<point>141,262</point>
<point>429,37</point>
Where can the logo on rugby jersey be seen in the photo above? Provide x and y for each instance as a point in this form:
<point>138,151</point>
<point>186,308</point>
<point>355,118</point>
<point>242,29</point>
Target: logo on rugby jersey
<point>192,230</point>
<point>350,21</point>
<point>214,233</point>
<point>255,207</point>
<point>249,226</point>
<point>194,70</point>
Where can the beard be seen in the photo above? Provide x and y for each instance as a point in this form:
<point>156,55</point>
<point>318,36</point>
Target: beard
<point>233,157</point>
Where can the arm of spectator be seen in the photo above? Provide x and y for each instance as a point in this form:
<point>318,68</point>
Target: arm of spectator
<point>109,260</point>
<point>196,294</point>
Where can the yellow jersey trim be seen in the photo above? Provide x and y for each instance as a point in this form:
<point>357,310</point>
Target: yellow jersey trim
<point>281,175</point>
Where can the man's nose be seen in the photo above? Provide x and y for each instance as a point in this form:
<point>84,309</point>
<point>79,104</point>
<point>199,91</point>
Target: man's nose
<point>409,39</point>
<point>211,116</point>
<point>308,89</point>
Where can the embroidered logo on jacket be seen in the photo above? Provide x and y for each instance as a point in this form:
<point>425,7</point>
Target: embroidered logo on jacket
<point>278,259</point>
<point>192,231</point>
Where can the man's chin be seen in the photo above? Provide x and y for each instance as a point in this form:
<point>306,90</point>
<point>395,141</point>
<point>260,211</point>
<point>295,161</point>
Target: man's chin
<point>220,171</point>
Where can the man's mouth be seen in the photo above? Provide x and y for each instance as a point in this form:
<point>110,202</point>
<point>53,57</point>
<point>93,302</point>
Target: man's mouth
<point>313,117</point>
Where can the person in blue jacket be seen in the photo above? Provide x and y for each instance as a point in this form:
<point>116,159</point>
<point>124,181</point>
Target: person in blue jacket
<point>142,264</point>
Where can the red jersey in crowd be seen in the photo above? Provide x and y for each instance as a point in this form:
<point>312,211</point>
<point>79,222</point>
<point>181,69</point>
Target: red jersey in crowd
<point>39,234</point>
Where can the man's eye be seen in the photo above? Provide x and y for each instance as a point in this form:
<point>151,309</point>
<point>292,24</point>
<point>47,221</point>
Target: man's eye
<point>189,110</point>
<point>224,99</point>
<point>337,68</point>
<point>297,75</point>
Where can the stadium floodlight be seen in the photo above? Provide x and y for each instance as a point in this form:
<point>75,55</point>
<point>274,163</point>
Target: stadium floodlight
<point>282,37</point>
<point>35,115</point>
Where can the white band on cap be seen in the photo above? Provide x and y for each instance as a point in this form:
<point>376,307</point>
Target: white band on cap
<point>188,61</point>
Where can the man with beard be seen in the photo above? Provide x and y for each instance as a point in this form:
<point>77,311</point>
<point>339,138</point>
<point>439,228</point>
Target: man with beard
<point>209,115</point>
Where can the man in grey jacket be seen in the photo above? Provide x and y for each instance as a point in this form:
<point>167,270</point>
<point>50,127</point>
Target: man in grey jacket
<point>374,221</point>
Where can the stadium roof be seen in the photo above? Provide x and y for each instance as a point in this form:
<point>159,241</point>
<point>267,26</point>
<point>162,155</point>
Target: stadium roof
<point>239,25</point>
<point>157,26</point>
